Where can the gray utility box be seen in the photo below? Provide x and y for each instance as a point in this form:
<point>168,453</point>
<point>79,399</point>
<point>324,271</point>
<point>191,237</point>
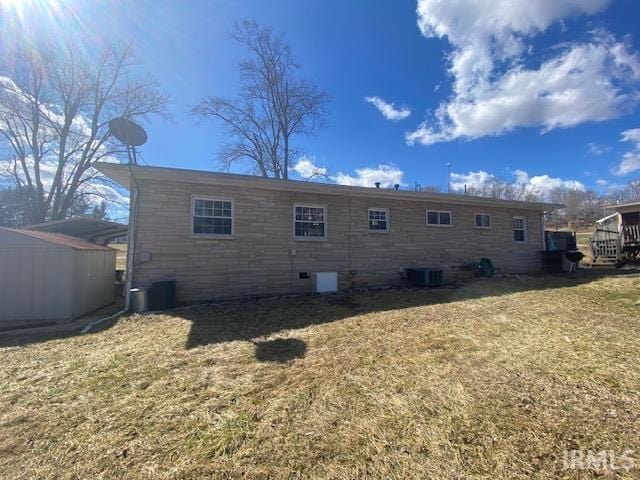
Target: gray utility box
<point>140,300</point>
<point>425,277</point>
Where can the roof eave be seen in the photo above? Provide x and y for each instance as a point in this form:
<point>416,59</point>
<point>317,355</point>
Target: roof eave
<point>623,206</point>
<point>121,173</point>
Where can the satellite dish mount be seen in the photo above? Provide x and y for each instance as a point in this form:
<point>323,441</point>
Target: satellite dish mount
<point>129,133</point>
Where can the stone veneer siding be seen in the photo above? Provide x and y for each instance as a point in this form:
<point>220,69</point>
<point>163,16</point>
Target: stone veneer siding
<point>258,260</point>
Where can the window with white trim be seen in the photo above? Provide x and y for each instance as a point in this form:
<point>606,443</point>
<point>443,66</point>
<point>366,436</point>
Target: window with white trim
<point>212,216</point>
<point>519,229</point>
<point>309,221</point>
<point>483,220</point>
<point>438,218</point>
<point>378,219</point>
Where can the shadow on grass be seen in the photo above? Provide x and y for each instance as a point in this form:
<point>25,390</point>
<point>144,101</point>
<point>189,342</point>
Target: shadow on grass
<point>252,319</point>
<point>26,337</point>
<point>280,350</point>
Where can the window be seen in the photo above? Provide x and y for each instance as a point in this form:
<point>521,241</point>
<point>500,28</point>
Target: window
<point>438,218</point>
<point>483,220</point>
<point>519,229</point>
<point>378,220</point>
<point>309,222</point>
<point>212,216</point>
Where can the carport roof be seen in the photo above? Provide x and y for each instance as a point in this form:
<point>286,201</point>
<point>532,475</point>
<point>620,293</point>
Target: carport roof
<point>89,229</point>
<point>60,239</point>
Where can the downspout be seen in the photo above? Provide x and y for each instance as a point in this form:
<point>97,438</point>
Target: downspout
<point>87,328</point>
<point>131,238</point>
<point>544,237</point>
<point>131,242</point>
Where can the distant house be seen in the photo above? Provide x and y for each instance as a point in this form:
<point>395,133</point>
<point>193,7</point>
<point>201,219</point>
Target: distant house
<point>610,222</point>
<point>222,235</point>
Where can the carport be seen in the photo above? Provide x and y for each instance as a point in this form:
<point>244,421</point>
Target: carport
<point>90,229</point>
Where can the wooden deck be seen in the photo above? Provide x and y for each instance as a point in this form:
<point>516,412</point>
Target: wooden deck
<point>611,245</point>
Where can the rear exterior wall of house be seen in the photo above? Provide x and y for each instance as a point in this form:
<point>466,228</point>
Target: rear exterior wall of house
<point>262,257</point>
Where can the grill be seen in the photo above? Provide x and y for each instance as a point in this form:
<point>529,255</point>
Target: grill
<point>574,256</point>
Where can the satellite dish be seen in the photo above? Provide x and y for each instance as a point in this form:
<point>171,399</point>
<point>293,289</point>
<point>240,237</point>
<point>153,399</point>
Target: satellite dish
<point>128,132</point>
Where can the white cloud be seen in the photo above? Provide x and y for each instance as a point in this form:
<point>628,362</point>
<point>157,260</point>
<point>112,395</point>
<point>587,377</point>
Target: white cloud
<point>598,149</point>
<point>389,110</point>
<point>630,160</point>
<point>387,175</point>
<point>630,163</point>
<point>543,184</point>
<point>306,168</point>
<point>493,92</point>
<point>484,183</point>
<point>475,180</point>
<point>631,135</point>
<point>601,182</point>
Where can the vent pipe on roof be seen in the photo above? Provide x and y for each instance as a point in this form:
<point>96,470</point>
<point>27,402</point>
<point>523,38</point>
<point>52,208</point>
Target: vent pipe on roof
<point>377,184</point>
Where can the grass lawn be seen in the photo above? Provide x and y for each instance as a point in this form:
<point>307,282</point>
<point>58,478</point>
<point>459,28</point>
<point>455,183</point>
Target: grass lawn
<point>493,380</point>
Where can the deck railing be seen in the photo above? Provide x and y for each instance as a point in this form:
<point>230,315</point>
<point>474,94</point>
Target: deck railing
<point>605,243</point>
<point>630,235</point>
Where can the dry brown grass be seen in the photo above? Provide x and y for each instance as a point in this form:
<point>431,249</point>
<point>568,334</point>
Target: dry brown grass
<point>493,380</point>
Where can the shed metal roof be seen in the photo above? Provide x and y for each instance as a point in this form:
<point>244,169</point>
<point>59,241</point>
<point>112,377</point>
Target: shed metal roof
<point>59,239</point>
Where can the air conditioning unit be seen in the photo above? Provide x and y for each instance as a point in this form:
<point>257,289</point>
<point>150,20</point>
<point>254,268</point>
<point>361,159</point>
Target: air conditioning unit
<point>425,277</point>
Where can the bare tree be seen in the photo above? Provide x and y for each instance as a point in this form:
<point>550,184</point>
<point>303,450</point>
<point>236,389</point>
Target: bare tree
<point>12,207</point>
<point>55,102</point>
<point>633,191</point>
<point>272,107</point>
<point>498,188</point>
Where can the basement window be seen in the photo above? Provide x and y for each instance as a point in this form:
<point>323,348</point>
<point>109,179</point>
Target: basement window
<point>379,220</point>
<point>309,222</point>
<point>212,216</point>
<point>438,218</point>
<point>519,229</point>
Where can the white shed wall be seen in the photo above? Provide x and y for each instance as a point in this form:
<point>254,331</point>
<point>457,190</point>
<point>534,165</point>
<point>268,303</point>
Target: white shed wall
<point>35,283</point>
<point>43,281</point>
<point>93,280</point>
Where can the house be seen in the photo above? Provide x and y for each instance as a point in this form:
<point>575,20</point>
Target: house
<point>610,222</point>
<point>49,277</point>
<point>617,236</point>
<point>223,235</point>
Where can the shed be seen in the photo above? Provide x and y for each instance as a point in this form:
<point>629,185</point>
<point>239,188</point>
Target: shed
<point>52,277</point>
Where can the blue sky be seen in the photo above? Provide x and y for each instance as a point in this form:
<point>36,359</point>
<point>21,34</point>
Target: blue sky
<point>524,89</point>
